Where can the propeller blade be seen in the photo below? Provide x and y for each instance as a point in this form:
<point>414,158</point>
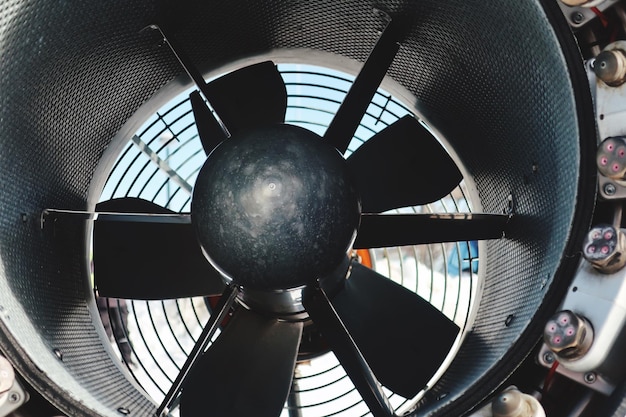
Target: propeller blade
<point>251,96</point>
<point>148,257</point>
<point>209,129</point>
<point>348,117</point>
<point>247,371</point>
<point>403,338</point>
<point>389,230</point>
<point>347,352</point>
<point>402,166</point>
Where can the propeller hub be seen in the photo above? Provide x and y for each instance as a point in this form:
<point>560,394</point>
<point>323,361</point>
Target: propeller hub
<point>275,208</point>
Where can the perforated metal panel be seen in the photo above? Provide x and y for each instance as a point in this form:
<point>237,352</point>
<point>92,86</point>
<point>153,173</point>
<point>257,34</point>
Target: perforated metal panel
<point>499,80</point>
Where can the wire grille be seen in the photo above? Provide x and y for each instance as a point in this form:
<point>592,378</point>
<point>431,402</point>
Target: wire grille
<point>160,164</point>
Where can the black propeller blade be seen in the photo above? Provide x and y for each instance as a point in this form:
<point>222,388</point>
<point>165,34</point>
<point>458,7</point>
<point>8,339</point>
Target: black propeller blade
<point>246,372</point>
<point>210,132</point>
<point>388,230</point>
<point>403,338</point>
<point>345,349</point>
<point>402,166</point>
<point>249,97</point>
<point>149,258</point>
<point>348,117</point>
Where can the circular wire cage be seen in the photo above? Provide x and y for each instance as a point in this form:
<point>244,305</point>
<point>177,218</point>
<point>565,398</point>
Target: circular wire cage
<point>160,164</point>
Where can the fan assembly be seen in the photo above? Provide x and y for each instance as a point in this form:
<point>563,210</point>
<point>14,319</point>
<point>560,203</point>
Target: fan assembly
<point>287,208</point>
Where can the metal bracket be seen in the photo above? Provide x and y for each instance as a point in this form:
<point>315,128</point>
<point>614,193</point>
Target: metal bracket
<point>579,16</point>
<point>592,380</point>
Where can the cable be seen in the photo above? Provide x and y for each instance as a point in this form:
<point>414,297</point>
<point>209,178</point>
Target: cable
<point>550,377</point>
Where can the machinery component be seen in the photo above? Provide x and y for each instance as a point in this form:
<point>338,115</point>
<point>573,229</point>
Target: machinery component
<point>137,246</point>
<point>514,403</point>
<point>280,202</point>
<point>610,104</point>
<point>12,395</point>
<point>601,299</point>
<point>568,335</point>
<point>610,67</point>
<point>263,208</point>
<point>598,383</point>
<point>610,101</point>
<point>610,189</point>
<point>611,157</point>
<point>604,248</point>
<point>59,156</point>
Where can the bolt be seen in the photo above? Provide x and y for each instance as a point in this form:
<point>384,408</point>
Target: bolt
<point>548,358</point>
<point>609,189</point>
<point>509,320</point>
<point>577,17</point>
<point>14,397</point>
<point>590,377</point>
<point>604,248</point>
<point>123,410</point>
<point>58,353</point>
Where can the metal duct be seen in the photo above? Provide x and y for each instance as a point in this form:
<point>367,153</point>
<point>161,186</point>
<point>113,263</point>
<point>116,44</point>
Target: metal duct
<point>500,81</point>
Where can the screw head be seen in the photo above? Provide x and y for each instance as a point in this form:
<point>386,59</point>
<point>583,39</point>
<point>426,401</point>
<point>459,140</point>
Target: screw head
<point>14,397</point>
<point>548,358</point>
<point>577,17</point>
<point>609,189</point>
<point>590,377</point>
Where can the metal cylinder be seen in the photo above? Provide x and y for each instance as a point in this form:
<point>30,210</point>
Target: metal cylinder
<point>610,67</point>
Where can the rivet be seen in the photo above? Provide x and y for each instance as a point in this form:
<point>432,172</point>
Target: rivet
<point>509,320</point>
